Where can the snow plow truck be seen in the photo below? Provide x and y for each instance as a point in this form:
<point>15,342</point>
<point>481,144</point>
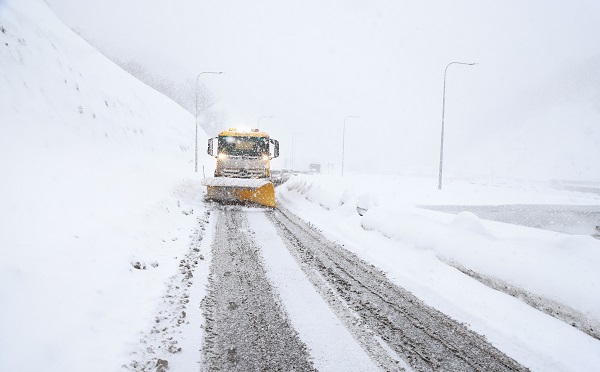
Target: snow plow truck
<point>243,172</point>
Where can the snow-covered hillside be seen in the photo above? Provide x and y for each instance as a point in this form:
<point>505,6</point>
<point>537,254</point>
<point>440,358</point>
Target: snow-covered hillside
<point>91,162</point>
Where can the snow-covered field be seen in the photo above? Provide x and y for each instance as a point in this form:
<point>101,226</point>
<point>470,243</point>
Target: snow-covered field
<point>99,203</point>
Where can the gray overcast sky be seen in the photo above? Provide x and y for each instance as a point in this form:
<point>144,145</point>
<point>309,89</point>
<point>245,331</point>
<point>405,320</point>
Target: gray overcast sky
<point>530,108</point>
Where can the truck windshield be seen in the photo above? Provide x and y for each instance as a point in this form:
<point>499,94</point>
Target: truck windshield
<point>235,145</point>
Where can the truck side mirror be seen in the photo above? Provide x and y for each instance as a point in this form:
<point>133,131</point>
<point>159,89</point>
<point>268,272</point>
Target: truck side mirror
<point>275,148</point>
<point>210,147</point>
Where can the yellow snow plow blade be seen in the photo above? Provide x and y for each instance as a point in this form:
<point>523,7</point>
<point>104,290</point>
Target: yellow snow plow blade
<point>259,191</point>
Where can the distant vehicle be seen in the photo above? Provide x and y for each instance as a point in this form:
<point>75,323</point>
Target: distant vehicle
<point>276,177</point>
<point>243,172</point>
<point>280,176</point>
<point>314,168</point>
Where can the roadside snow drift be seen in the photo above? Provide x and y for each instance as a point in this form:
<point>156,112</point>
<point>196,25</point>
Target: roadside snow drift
<point>422,249</point>
<point>90,211</point>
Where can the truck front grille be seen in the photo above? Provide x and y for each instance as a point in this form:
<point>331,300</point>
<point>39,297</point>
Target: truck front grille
<point>243,173</point>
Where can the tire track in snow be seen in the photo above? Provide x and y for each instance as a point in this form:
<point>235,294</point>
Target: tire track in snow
<point>423,337</point>
<point>246,327</point>
<point>332,346</point>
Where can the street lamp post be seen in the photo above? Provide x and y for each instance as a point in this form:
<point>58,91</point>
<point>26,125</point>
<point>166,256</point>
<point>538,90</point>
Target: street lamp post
<point>293,140</point>
<point>196,141</point>
<point>258,125</point>
<point>344,140</point>
<point>443,110</point>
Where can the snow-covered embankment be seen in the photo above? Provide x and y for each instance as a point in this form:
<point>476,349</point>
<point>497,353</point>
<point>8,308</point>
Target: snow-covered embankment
<point>91,168</point>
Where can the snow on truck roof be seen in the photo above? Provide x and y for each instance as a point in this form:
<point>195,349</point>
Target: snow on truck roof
<point>243,133</point>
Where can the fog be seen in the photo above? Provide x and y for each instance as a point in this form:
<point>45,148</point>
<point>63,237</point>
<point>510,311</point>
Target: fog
<point>529,109</point>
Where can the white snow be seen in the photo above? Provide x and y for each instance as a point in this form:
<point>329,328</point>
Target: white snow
<point>415,246</point>
<point>97,177</point>
<point>175,329</point>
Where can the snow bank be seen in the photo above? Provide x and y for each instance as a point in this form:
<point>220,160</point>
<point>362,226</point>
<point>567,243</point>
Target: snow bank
<point>91,218</point>
<point>421,250</point>
<point>512,254</point>
<point>422,190</point>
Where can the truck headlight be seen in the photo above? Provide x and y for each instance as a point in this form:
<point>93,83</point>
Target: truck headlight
<point>265,157</point>
<point>222,156</point>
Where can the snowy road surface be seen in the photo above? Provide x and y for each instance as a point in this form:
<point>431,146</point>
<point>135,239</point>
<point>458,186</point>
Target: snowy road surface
<point>393,326</point>
<point>282,297</point>
<point>247,328</point>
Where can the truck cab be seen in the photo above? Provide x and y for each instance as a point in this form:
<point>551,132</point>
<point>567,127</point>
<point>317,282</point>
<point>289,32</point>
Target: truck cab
<point>243,153</point>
